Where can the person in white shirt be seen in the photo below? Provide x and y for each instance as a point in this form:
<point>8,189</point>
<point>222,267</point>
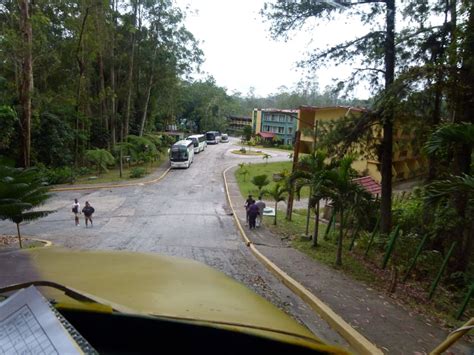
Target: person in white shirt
<point>76,209</point>
<point>261,206</point>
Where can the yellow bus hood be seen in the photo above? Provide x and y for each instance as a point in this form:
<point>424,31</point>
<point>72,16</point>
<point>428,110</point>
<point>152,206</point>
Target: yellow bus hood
<point>164,286</point>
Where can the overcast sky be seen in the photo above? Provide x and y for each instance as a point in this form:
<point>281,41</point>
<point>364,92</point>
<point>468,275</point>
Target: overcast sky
<point>240,54</point>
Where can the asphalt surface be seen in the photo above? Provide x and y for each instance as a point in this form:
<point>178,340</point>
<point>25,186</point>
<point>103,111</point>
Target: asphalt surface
<point>185,215</point>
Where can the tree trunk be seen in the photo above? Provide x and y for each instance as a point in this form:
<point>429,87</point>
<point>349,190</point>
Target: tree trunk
<point>316,225</point>
<point>19,235</point>
<point>102,95</point>
<point>289,208</point>
<point>145,108</point>
<point>308,211</point>
<point>275,219</point>
<point>387,140</point>
<point>126,123</point>
<point>339,241</point>
<point>113,104</point>
<point>26,82</point>
<point>462,154</point>
<point>81,67</point>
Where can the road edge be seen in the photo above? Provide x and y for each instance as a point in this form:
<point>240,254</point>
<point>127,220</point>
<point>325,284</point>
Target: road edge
<point>360,343</point>
<point>96,187</point>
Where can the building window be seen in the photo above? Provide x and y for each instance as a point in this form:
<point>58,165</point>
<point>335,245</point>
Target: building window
<point>281,129</point>
<point>290,130</point>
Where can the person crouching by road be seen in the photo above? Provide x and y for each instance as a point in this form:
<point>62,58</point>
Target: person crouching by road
<point>88,210</point>
<point>261,206</point>
<point>248,202</point>
<point>253,213</point>
<point>76,209</point>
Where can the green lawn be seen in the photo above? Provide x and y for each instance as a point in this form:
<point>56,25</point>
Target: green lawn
<point>246,187</point>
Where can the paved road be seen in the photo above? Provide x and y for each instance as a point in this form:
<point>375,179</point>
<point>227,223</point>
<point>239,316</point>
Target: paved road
<point>186,215</point>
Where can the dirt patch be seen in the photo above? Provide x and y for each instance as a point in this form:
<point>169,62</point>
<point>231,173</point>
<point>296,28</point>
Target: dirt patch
<point>11,242</point>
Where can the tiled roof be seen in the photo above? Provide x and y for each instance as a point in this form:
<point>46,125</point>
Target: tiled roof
<point>277,110</point>
<point>266,134</point>
<point>369,184</point>
<point>320,108</point>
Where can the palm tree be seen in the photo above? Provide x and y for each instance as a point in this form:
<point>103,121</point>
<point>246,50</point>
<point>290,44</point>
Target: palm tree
<point>20,192</point>
<point>343,193</point>
<point>311,172</point>
<point>260,181</point>
<point>265,157</point>
<point>278,193</point>
<point>455,141</point>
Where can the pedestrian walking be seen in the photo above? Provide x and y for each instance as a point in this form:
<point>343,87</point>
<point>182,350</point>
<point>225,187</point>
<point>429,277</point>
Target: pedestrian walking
<point>261,206</point>
<point>253,213</point>
<point>76,209</point>
<point>88,210</point>
<point>250,201</point>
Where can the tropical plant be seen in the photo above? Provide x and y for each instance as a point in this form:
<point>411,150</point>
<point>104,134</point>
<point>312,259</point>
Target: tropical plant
<point>243,171</point>
<point>343,193</point>
<point>453,144</point>
<point>20,192</point>
<point>260,181</point>
<point>247,132</point>
<point>311,172</point>
<point>278,193</point>
<point>265,157</point>
<point>101,158</point>
<point>137,172</point>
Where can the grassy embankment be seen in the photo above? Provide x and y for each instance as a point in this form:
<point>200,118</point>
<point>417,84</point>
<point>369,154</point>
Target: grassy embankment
<point>442,307</point>
<point>113,174</point>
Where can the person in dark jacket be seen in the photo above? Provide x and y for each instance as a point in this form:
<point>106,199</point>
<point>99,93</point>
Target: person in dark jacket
<point>88,210</point>
<point>248,202</point>
<point>253,213</point>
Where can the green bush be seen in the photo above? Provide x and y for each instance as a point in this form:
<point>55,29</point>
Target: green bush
<point>55,176</point>
<point>83,170</point>
<point>101,158</point>
<point>136,173</point>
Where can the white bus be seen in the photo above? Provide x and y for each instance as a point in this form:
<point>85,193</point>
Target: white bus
<point>182,154</point>
<point>199,141</point>
<point>213,137</point>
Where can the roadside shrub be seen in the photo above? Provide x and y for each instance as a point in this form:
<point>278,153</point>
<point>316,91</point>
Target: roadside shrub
<point>83,170</point>
<point>101,158</point>
<point>55,176</point>
<point>243,150</point>
<point>136,173</point>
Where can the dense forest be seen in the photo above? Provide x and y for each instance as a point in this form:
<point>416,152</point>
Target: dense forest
<point>81,75</point>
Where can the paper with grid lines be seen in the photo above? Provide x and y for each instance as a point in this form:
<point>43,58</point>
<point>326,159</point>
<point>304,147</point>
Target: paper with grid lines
<point>29,326</point>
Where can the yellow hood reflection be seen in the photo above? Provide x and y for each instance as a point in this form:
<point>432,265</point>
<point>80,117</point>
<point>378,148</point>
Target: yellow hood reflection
<point>165,286</point>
